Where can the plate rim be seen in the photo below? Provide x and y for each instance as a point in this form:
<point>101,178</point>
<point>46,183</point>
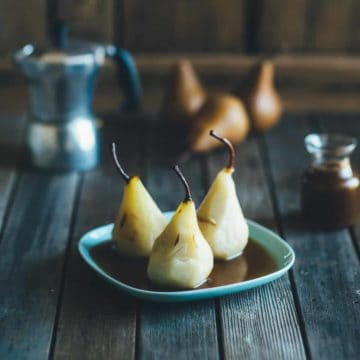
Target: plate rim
<point>186,294</point>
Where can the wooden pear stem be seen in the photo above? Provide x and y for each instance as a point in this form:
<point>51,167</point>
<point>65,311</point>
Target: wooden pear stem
<point>185,183</point>
<point>229,146</point>
<point>119,167</point>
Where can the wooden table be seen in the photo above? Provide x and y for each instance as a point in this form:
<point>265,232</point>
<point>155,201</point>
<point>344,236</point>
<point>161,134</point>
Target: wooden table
<point>53,306</point>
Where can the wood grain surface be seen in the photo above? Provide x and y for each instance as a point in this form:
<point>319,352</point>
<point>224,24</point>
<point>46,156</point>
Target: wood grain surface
<point>183,25</point>
<point>329,25</point>
<point>256,26</point>
<point>53,306</point>
<point>104,318</point>
<point>326,271</point>
<point>92,20</point>
<point>281,25</point>
<point>34,241</point>
<point>21,24</point>
<point>10,156</point>
<point>247,318</point>
<point>190,328</point>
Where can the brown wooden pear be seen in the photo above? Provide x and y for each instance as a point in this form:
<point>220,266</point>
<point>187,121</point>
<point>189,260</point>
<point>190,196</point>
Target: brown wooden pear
<point>184,94</point>
<point>223,113</point>
<point>262,101</point>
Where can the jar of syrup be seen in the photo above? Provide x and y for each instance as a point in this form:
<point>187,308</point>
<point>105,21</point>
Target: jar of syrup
<point>330,188</point>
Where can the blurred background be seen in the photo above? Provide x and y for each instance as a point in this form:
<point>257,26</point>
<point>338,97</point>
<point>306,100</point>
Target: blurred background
<point>315,45</point>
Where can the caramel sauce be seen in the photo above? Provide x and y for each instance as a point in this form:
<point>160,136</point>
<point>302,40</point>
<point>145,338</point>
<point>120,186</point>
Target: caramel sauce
<point>253,263</point>
<point>330,197</point>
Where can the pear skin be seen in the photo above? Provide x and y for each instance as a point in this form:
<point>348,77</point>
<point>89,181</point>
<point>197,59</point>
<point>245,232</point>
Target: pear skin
<point>221,219</point>
<point>139,221</point>
<point>224,114</point>
<point>220,216</point>
<point>181,257</point>
<point>184,94</point>
<point>262,101</point>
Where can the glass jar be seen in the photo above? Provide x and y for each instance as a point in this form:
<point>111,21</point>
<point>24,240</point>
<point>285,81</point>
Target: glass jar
<point>330,188</point>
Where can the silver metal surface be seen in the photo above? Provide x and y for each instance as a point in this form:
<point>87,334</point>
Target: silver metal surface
<point>62,132</point>
<point>71,145</point>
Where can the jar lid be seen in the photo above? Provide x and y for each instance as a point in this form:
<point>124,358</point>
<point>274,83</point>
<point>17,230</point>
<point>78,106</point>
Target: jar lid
<point>330,143</point>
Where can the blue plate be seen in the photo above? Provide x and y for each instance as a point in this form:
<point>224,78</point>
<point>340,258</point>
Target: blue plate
<point>280,251</point>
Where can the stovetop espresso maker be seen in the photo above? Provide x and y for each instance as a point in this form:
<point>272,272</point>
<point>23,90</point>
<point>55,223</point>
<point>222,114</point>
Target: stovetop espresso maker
<point>62,132</point>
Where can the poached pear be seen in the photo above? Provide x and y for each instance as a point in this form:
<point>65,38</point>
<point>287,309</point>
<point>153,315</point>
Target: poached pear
<point>262,101</point>
<point>225,114</point>
<point>221,219</point>
<point>184,94</point>
<point>181,257</point>
<point>139,220</point>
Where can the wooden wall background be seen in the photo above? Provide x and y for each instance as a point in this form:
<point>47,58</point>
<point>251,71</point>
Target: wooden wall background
<point>197,26</point>
<point>315,44</point>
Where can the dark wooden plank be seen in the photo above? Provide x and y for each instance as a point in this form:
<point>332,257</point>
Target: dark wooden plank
<point>305,82</point>
<point>282,25</point>
<point>21,24</point>
<point>329,25</point>
<point>173,26</point>
<point>104,317</point>
<point>185,330</point>
<point>354,29</point>
<point>7,181</point>
<point>229,22</point>
<point>326,271</point>
<point>302,25</point>
<point>32,248</point>
<point>11,133</point>
<point>261,323</point>
<point>179,331</point>
<point>348,124</point>
<point>90,19</point>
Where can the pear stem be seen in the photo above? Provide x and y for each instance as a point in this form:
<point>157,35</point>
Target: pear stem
<point>185,183</point>
<point>229,146</point>
<point>117,163</point>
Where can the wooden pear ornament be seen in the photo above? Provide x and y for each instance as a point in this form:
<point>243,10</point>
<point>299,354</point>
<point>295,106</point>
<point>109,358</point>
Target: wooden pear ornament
<point>181,257</point>
<point>224,114</point>
<point>139,220</point>
<point>262,101</point>
<point>184,94</point>
<point>221,219</point>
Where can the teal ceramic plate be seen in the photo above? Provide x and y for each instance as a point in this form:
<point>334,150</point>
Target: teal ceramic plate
<point>264,240</point>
